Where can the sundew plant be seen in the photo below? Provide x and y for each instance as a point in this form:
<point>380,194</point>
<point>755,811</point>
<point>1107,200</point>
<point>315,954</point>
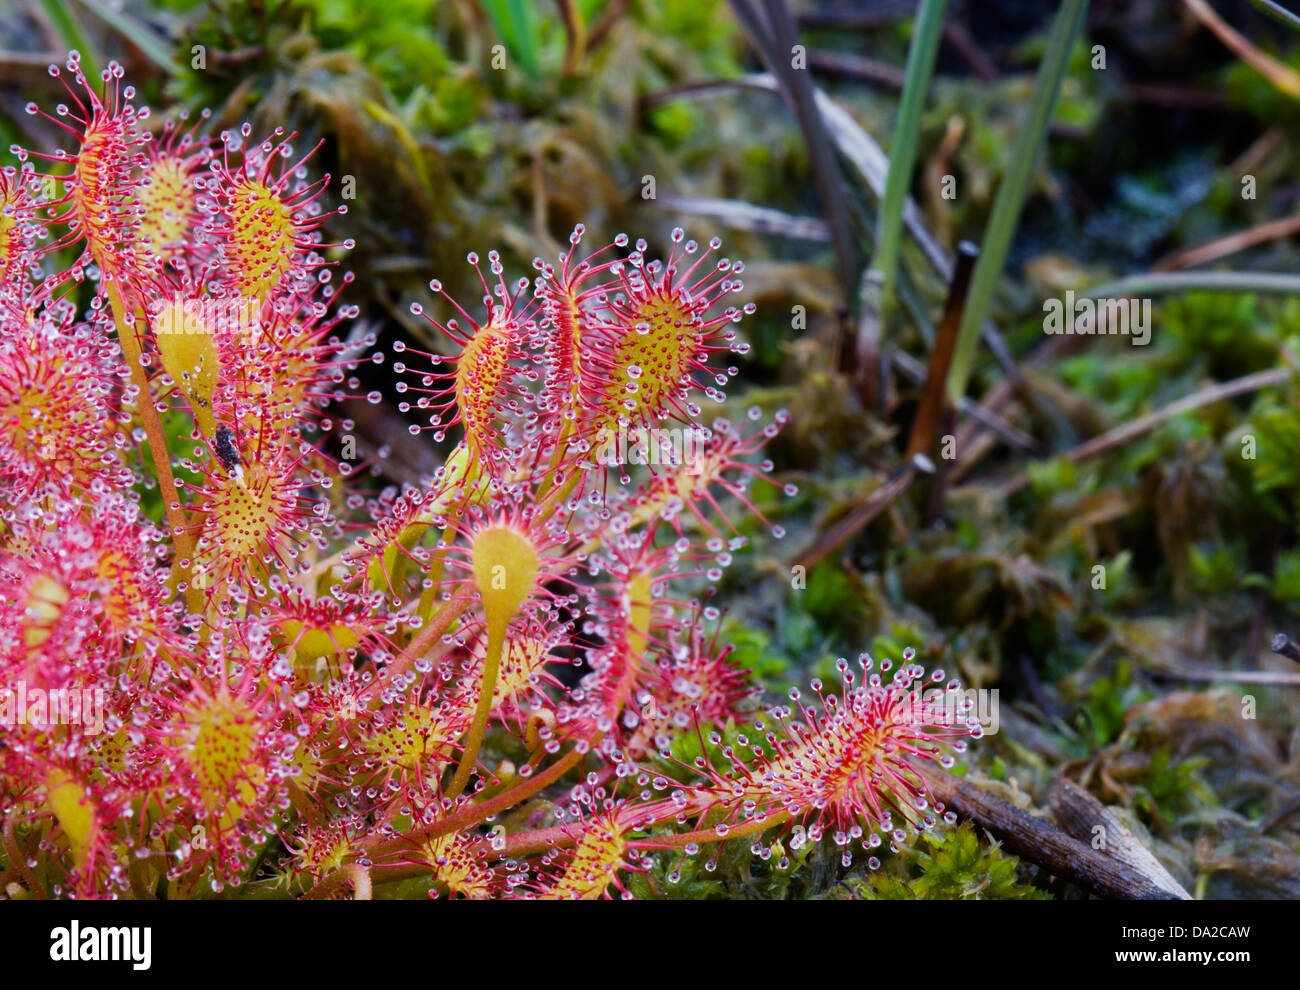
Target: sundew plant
<point>230,664</point>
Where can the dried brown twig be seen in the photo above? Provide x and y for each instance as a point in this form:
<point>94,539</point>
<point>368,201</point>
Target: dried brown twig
<point>1221,247</point>
<point>1131,431</point>
<point>1282,644</point>
<point>849,525</point>
<point>1279,74</point>
<point>1041,842</point>
<point>922,437</point>
<point>1090,821</point>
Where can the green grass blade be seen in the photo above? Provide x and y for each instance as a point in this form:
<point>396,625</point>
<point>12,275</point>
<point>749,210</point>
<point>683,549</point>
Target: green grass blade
<point>1014,188</point>
<point>1278,13</point>
<point>70,32</point>
<point>902,152</point>
<point>154,48</point>
<point>515,24</point>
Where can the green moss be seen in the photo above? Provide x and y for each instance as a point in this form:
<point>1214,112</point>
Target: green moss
<point>1169,788</point>
<point>954,865</point>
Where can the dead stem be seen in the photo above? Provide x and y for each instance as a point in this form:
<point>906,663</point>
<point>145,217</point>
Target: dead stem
<point>879,499</point>
<point>1040,842</point>
<point>1131,431</point>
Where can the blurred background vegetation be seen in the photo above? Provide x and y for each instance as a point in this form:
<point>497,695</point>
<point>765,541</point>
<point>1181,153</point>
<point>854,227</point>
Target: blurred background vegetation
<point>468,125</point>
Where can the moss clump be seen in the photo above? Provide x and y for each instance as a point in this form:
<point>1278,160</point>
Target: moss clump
<point>956,866</point>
